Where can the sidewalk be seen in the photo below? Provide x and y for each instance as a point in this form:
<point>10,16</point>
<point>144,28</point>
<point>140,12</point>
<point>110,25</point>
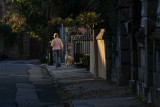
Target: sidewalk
<point>80,88</point>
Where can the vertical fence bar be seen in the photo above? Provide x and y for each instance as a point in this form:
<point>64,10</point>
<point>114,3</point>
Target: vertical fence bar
<point>81,46</point>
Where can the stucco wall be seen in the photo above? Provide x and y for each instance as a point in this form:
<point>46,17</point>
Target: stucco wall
<point>101,59</point>
<point>92,59</point>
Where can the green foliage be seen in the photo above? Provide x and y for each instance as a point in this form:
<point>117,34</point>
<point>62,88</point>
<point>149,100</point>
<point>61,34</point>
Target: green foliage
<point>10,37</point>
<point>69,21</point>
<point>31,10</point>
<point>86,60</point>
<point>108,18</point>
<point>77,56</point>
<point>12,27</point>
<point>57,21</point>
<point>88,19</point>
<point>43,59</point>
<point>37,24</point>
<point>13,19</point>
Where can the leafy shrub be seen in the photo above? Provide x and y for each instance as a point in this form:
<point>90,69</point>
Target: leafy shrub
<point>86,60</point>
<point>43,59</point>
<point>77,56</point>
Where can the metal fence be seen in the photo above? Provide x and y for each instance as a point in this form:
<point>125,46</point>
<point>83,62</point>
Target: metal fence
<point>81,45</point>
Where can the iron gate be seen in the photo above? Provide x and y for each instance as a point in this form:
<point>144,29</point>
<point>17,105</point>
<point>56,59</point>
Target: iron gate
<point>81,45</point>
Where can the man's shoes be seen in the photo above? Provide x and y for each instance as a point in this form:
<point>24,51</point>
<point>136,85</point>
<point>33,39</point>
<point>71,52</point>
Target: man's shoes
<point>56,66</point>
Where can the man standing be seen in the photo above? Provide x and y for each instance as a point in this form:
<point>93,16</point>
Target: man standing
<point>57,47</point>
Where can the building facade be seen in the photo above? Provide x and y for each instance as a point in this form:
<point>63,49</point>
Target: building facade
<point>138,60</point>
<point>138,47</point>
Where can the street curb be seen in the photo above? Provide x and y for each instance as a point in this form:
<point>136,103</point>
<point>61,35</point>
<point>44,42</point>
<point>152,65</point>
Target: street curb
<point>56,83</point>
<point>65,103</point>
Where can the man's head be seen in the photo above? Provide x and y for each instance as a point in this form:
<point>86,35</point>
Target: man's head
<point>55,35</point>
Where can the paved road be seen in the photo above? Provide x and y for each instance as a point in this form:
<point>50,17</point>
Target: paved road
<point>25,84</point>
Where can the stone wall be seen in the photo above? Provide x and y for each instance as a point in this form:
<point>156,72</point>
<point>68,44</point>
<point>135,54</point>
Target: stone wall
<point>146,77</point>
<point>120,72</point>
